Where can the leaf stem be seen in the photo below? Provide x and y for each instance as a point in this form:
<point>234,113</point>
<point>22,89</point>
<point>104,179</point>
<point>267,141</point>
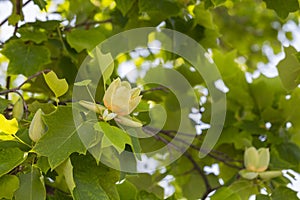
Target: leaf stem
<point>19,139</point>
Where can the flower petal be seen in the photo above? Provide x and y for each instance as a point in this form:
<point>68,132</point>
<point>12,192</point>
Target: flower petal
<point>133,103</point>
<point>263,159</point>
<point>120,101</point>
<point>248,174</point>
<point>251,159</point>
<point>108,96</point>
<point>269,174</point>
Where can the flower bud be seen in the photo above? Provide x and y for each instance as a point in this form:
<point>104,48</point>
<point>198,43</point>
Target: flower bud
<point>97,108</point>
<point>37,127</point>
<point>256,160</point>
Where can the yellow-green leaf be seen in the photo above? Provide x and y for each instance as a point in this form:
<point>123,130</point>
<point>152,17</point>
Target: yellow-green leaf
<point>8,126</point>
<point>58,86</point>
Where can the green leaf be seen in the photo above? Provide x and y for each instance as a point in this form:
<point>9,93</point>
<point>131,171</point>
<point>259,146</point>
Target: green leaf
<point>63,133</point>
<point>203,16</point>
<point>127,191</point>
<point>85,39</point>
<point>3,104</point>
<point>31,34</point>
<point>244,189</point>
<point>159,10</point>
<point>218,2</point>
<point>262,197</point>
<point>288,152</point>
<point>58,86</point>
<point>289,69</point>
<point>189,190</point>
<point>59,195</point>
<point>10,158</point>
<point>125,5</point>
<point>43,164</point>
<point>115,135</point>
<point>145,182</point>
<point>41,3</point>
<point>282,7</point>
<point>8,185</point>
<point>225,193</point>
<point>143,106</point>
<point>238,94</point>
<point>46,107</point>
<point>65,171</point>
<point>25,59</point>
<point>31,186</point>
<point>146,195</point>
<point>105,63</point>
<point>284,193</point>
<point>17,13</point>
<point>93,181</point>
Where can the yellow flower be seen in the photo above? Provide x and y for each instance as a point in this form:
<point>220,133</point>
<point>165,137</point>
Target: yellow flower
<point>120,98</point>
<point>257,160</point>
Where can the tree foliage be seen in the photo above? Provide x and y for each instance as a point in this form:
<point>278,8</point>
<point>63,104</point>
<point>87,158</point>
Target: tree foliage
<point>48,150</point>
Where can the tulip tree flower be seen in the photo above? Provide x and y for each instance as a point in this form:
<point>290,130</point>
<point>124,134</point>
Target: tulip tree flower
<point>119,101</point>
<point>120,98</point>
<point>256,163</point>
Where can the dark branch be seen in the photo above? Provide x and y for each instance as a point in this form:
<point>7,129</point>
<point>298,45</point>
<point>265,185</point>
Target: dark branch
<point>8,78</point>
<point>227,160</point>
<point>4,92</point>
<point>6,19</point>
<point>189,157</point>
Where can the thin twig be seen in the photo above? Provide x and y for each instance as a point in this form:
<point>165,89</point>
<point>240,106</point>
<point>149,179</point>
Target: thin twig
<point>167,133</point>
<point>26,81</point>
<point>189,157</point>
<point>6,19</point>
<point>24,103</point>
<point>8,78</point>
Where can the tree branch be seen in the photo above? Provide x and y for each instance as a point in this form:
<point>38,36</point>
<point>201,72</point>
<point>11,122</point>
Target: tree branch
<point>8,78</point>
<point>6,19</point>
<point>188,156</point>
<point>226,160</point>
<point>4,92</point>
